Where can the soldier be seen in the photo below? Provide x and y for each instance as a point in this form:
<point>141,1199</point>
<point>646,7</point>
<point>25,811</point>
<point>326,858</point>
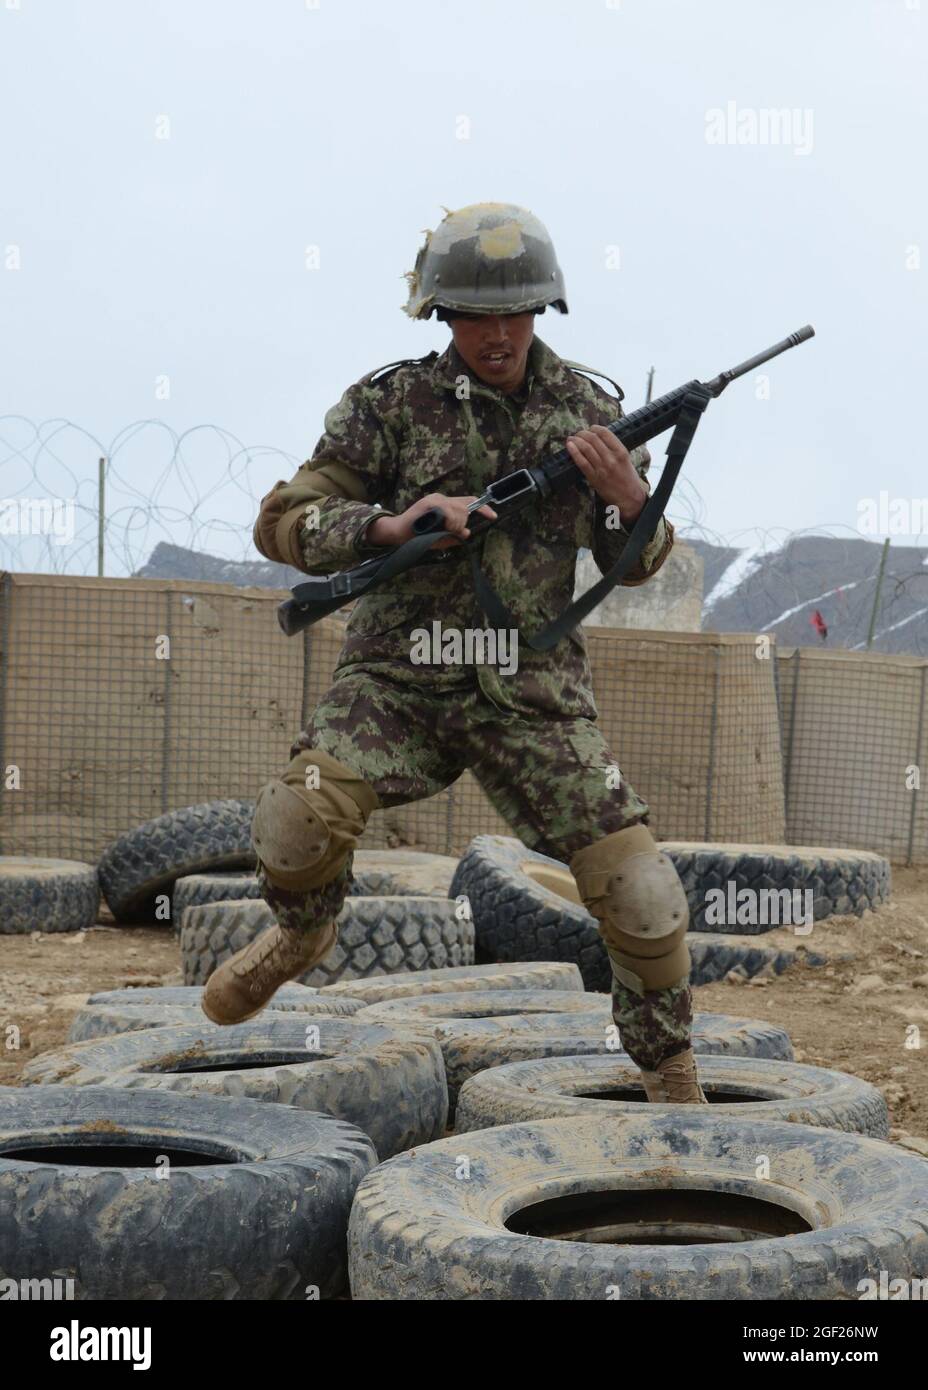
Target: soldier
<point>432,433</point>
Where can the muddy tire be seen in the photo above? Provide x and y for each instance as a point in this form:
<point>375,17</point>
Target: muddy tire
<point>260,1213</point>
<point>46,895</point>
<point>740,1088</point>
<point>288,997</point>
<point>841,881</point>
<point>376,936</point>
<point>836,1209</point>
<point>390,1085</point>
<point>518,917</point>
<point>125,1010</point>
<point>104,1020</point>
<point>714,954</point>
<point>390,873</point>
<point>217,887</point>
<point>510,1004</point>
<point>376,874</point>
<point>536,974</point>
<point>472,1045</point>
<point>148,860</point>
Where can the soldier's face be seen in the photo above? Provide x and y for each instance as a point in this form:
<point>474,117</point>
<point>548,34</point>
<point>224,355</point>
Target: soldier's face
<point>495,346</point>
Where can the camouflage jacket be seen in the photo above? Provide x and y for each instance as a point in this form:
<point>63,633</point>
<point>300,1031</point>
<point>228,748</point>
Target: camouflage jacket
<point>432,426</point>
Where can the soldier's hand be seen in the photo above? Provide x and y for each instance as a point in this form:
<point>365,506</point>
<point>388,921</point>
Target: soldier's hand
<point>393,530</point>
<point>607,466</point>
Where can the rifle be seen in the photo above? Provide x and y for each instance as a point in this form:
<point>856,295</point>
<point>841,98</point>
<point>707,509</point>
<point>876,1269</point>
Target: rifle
<point>680,410</point>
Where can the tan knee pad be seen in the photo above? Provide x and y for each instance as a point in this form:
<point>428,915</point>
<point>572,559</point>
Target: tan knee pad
<point>303,832</point>
<point>635,894</point>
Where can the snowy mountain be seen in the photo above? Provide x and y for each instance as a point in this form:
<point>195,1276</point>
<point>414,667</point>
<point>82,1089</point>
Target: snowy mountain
<point>746,589</point>
<point>177,562</point>
<point>780,592</point>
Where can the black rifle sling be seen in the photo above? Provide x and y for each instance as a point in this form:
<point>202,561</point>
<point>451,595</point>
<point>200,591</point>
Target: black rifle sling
<point>694,403</point>
<point>404,557</point>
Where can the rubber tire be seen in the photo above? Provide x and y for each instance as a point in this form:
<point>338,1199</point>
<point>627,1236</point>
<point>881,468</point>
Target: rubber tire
<point>515,919</point>
<point>105,1020</point>
<point>843,881</point>
<point>288,997</point>
<point>713,955</point>
<point>536,974</point>
<point>472,1045</point>
<point>389,1084</point>
<point>123,1011</point>
<point>217,887</point>
<point>196,889</point>
<point>376,936</point>
<point>548,1087</point>
<point>376,874</point>
<point>46,895</point>
<point>510,1004</point>
<point>265,1227</point>
<point>518,919</point>
<point>417,1232</point>
<point>390,873</point>
<point>146,861</point>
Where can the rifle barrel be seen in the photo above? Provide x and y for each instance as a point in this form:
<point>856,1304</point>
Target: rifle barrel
<point>717,386</point>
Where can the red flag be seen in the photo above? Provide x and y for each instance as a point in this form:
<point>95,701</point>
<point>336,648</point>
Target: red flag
<point>818,622</point>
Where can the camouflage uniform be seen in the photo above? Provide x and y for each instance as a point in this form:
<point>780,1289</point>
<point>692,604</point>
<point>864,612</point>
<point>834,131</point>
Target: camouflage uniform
<point>410,730</point>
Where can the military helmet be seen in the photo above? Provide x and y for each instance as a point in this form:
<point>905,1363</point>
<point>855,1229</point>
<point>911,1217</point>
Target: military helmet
<point>490,258</point>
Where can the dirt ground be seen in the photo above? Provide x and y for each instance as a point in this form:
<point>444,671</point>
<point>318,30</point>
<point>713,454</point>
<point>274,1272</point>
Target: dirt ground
<point>866,1012</point>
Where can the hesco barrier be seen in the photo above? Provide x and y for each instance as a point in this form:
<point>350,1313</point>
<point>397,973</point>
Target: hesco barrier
<point>124,698</point>
<point>855,736</point>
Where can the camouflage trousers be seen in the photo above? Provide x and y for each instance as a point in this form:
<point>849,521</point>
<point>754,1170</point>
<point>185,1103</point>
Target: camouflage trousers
<point>553,780</point>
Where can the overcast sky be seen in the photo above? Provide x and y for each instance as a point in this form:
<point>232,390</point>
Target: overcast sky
<point>167,163</point>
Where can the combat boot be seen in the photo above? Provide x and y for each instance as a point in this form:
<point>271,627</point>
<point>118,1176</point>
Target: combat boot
<point>675,1082</point>
<point>242,985</point>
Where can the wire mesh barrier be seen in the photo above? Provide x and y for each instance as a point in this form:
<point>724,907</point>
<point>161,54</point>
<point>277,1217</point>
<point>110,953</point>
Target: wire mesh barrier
<point>693,720</point>
<point>121,699</point>
<point>124,698</point>
<point>854,740</point>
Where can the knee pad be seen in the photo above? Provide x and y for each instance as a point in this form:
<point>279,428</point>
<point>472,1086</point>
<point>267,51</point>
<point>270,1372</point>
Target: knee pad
<point>306,826</point>
<point>635,894</point>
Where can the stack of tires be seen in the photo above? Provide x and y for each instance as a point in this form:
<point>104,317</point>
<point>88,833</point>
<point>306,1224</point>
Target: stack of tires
<point>194,869</point>
<point>526,907</point>
<point>310,1152</point>
<point>161,1156</point>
